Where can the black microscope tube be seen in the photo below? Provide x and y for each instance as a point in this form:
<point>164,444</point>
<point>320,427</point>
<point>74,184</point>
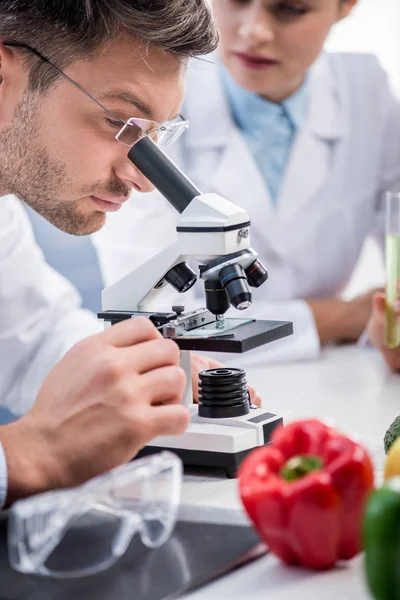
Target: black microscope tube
<point>163,173</point>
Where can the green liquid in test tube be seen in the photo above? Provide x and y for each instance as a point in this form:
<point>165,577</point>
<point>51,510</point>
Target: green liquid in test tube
<point>392,262</point>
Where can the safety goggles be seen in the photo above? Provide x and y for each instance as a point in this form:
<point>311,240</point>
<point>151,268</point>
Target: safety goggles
<point>84,530</point>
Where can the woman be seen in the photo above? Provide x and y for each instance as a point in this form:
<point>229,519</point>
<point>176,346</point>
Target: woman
<point>305,141</point>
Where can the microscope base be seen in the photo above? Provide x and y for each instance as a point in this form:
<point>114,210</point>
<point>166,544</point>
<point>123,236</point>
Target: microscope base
<point>202,458</point>
<point>222,443</point>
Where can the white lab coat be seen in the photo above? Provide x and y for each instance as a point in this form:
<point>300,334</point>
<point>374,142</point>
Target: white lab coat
<point>40,315</point>
<point>344,157</point>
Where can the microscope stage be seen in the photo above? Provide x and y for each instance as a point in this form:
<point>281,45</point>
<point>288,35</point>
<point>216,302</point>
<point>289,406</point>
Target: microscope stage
<point>241,339</point>
<point>231,335</point>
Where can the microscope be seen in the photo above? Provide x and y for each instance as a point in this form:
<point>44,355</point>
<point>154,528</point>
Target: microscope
<point>215,233</point>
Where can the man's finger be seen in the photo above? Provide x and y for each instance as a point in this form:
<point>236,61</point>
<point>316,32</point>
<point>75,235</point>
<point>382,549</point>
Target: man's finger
<point>165,385</point>
<point>130,332</point>
<point>169,420</point>
<point>153,355</point>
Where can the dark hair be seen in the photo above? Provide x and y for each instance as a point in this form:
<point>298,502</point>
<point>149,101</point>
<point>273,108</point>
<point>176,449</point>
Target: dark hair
<point>67,30</point>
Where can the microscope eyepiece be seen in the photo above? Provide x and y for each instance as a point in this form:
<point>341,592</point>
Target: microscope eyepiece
<point>234,281</point>
<point>256,274</point>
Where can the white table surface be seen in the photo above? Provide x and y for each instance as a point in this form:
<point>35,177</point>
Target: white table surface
<point>351,388</point>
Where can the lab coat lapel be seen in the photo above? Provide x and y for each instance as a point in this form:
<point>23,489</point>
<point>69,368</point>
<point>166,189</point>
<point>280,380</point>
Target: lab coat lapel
<point>236,175</point>
<point>312,154</point>
<point>239,180</point>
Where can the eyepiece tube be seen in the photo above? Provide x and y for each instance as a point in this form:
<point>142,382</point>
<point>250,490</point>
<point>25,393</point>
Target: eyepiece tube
<point>163,174</point>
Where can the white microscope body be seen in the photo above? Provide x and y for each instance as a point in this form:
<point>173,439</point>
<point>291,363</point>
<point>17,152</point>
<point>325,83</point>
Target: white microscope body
<point>215,233</point>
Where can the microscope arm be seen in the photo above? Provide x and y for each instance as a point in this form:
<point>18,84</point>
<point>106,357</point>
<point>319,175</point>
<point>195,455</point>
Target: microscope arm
<point>141,286</point>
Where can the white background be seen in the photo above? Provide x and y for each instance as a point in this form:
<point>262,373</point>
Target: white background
<point>373,26</point>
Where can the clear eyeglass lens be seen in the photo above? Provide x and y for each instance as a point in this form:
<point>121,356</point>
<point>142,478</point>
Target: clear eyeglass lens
<point>130,134</point>
<point>170,134</point>
<point>135,130</point>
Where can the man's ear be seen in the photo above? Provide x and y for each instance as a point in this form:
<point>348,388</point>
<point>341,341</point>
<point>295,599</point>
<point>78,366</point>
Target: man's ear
<point>1,65</point>
<point>6,55</point>
<point>346,6</point>
<point>12,82</point>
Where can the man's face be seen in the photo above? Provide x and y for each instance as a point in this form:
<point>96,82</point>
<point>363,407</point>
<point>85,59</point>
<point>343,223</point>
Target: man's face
<point>268,45</point>
<point>58,150</point>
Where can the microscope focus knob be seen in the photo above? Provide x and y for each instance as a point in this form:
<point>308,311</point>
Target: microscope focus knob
<point>178,309</point>
<point>223,393</point>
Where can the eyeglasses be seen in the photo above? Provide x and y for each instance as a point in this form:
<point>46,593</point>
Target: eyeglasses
<point>132,130</point>
<point>83,530</point>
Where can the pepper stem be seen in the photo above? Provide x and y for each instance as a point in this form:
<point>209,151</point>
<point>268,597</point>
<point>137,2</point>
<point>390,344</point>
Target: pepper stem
<point>299,466</point>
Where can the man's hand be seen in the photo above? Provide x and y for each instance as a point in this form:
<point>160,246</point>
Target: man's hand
<point>339,321</point>
<point>202,363</point>
<point>110,395</point>
<point>376,329</point>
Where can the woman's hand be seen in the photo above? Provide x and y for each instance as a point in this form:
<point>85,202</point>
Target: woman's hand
<point>202,363</point>
<point>376,331</point>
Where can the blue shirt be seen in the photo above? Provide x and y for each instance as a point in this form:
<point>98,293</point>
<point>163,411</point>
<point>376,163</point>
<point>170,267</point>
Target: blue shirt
<point>268,128</point>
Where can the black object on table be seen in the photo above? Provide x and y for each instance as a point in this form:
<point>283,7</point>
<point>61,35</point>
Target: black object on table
<point>206,543</point>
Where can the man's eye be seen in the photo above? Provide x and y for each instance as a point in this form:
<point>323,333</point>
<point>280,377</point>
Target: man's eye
<point>116,123</point>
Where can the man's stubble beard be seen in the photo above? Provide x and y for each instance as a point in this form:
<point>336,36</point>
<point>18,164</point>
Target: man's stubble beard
<point>28,171</point>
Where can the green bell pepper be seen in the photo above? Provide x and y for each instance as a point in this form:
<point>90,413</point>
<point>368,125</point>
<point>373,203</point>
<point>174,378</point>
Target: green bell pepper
<point>382,541</point>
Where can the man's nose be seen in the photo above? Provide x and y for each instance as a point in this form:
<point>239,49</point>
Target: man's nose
<point>128,172</point>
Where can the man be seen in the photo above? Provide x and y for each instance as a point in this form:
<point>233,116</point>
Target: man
<point>71,75</point>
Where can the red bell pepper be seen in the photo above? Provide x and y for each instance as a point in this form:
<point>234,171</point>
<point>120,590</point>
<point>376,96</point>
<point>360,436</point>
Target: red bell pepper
<point>305,493</point>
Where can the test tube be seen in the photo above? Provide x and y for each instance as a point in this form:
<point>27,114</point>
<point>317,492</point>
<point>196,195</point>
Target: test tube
<point>392,263</point>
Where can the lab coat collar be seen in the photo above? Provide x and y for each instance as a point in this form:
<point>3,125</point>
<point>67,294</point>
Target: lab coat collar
<point>326,118</point>
<point>206,107</point>
<point>254,114</point>
<point>211,122</point>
